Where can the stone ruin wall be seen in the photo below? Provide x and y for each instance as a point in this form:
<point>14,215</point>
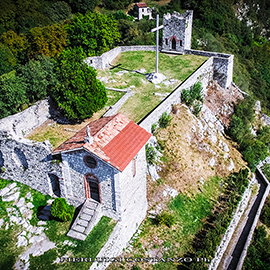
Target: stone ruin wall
<point>22,123</point>
<point>29,163</point>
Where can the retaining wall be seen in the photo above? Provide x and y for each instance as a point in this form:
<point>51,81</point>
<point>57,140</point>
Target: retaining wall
<point>223,66</point>
<point>255,221</point>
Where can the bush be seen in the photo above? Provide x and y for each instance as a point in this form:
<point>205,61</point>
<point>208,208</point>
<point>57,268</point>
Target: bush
<point>165,218</point>
<point>60,209</point>
<point>193,97</point>
<point>265,215</point>
<point>164,120</point>
<point>154,128</point>
<point>197,108</point>
<point>150,154</point>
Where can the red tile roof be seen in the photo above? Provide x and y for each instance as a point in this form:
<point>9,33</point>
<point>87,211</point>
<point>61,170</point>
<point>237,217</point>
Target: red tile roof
<point>117,140</point>
<point>141,5</point>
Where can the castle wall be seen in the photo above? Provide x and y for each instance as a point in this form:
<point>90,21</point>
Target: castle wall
<point>28,162</point>
<point>203,74</point>
<point>74,179</point>
<point>223,66</point>
<point>103,61</point>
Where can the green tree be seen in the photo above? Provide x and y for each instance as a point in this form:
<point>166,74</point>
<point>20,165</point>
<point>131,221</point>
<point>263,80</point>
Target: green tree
<point>116,4</point>
<point>13,94</point>
<point>18,44</point>
<point>58,11</point>
<point>95,33</point>
<point>39,77</point>
<point>7,59</point>
<point>78,91</point>
<point>83,6</point>
<point>49,40</point>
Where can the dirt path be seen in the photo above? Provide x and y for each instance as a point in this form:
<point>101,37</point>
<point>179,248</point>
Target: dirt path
<point>236,245</point>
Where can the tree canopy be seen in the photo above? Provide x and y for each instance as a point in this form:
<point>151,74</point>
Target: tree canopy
<point>94,32</point>
<point>78,92</point>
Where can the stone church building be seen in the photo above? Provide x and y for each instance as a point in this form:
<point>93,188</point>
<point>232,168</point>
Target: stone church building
<point>105,162</point>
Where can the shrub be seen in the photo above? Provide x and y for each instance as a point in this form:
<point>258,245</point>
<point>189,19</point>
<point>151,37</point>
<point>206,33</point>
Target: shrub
<point>150,154</point>
<point>164,120</point>
<point>154,128</point>
<point>193,97</point>
<point>265,215</point>
<point>165,218</point>
<point>60,209</point>
<point>197,108</point>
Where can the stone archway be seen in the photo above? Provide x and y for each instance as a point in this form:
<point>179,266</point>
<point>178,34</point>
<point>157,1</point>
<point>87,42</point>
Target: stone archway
<point>173,43</point>
<point>92,187</point>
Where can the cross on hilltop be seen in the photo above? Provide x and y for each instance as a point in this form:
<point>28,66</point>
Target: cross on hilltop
<point>156,30</point>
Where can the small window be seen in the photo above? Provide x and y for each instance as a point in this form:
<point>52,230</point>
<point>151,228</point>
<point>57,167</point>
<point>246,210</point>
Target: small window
<point>180,42</point>
<point>91,61</point>
<point>90,162</point>
<point>143,10</point>
<point>166,41</point>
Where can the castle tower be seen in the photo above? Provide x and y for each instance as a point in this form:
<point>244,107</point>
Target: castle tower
<point>177,31</point>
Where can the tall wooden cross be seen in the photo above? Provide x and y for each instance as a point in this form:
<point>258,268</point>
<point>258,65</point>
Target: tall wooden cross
<point>156,30</point>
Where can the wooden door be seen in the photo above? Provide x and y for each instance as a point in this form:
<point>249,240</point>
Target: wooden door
<point>92,189</point>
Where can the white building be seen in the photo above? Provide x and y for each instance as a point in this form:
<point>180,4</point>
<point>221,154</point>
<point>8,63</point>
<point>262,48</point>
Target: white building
<point>143,10</point>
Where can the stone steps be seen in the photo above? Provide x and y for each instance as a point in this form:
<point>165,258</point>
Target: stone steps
<point>87,218</point>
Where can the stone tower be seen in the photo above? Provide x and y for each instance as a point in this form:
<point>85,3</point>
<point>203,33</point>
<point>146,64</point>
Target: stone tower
<point>177,31</point>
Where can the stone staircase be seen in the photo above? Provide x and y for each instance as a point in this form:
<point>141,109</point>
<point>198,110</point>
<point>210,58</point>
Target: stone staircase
<point>87,218</point>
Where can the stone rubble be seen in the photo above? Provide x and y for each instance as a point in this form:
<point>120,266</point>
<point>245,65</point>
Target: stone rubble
<point>32,236</point>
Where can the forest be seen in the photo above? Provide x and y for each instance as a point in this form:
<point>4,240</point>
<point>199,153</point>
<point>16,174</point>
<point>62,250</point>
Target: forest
<point>37,37</point>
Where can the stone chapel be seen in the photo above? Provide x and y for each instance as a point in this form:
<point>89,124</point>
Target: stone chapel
<point>106,163</point>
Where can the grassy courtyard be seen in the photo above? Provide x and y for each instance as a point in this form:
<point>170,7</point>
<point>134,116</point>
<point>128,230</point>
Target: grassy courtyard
<point>174,67</point>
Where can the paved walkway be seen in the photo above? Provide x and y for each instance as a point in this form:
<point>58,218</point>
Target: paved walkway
<point>236,245</point>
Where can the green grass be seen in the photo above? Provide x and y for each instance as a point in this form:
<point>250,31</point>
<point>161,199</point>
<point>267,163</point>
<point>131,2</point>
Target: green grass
<point>113,97</point>
<point>190,213</point>
<point>143,101</point>
<point>88,248</point>
<point>55,231</point>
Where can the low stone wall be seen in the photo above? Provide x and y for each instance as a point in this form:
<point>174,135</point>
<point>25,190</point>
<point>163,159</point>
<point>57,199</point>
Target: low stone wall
<point>255,221</point>
<point>114,108</point>
<point>29,163</point>
<point>24,122</point>
<point>103,61</point>
<point>231,229</point>
<point>204,74</point>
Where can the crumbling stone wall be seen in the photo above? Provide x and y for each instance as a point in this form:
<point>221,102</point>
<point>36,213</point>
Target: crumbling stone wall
<point>29,163</point>
<point>22,123</point>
